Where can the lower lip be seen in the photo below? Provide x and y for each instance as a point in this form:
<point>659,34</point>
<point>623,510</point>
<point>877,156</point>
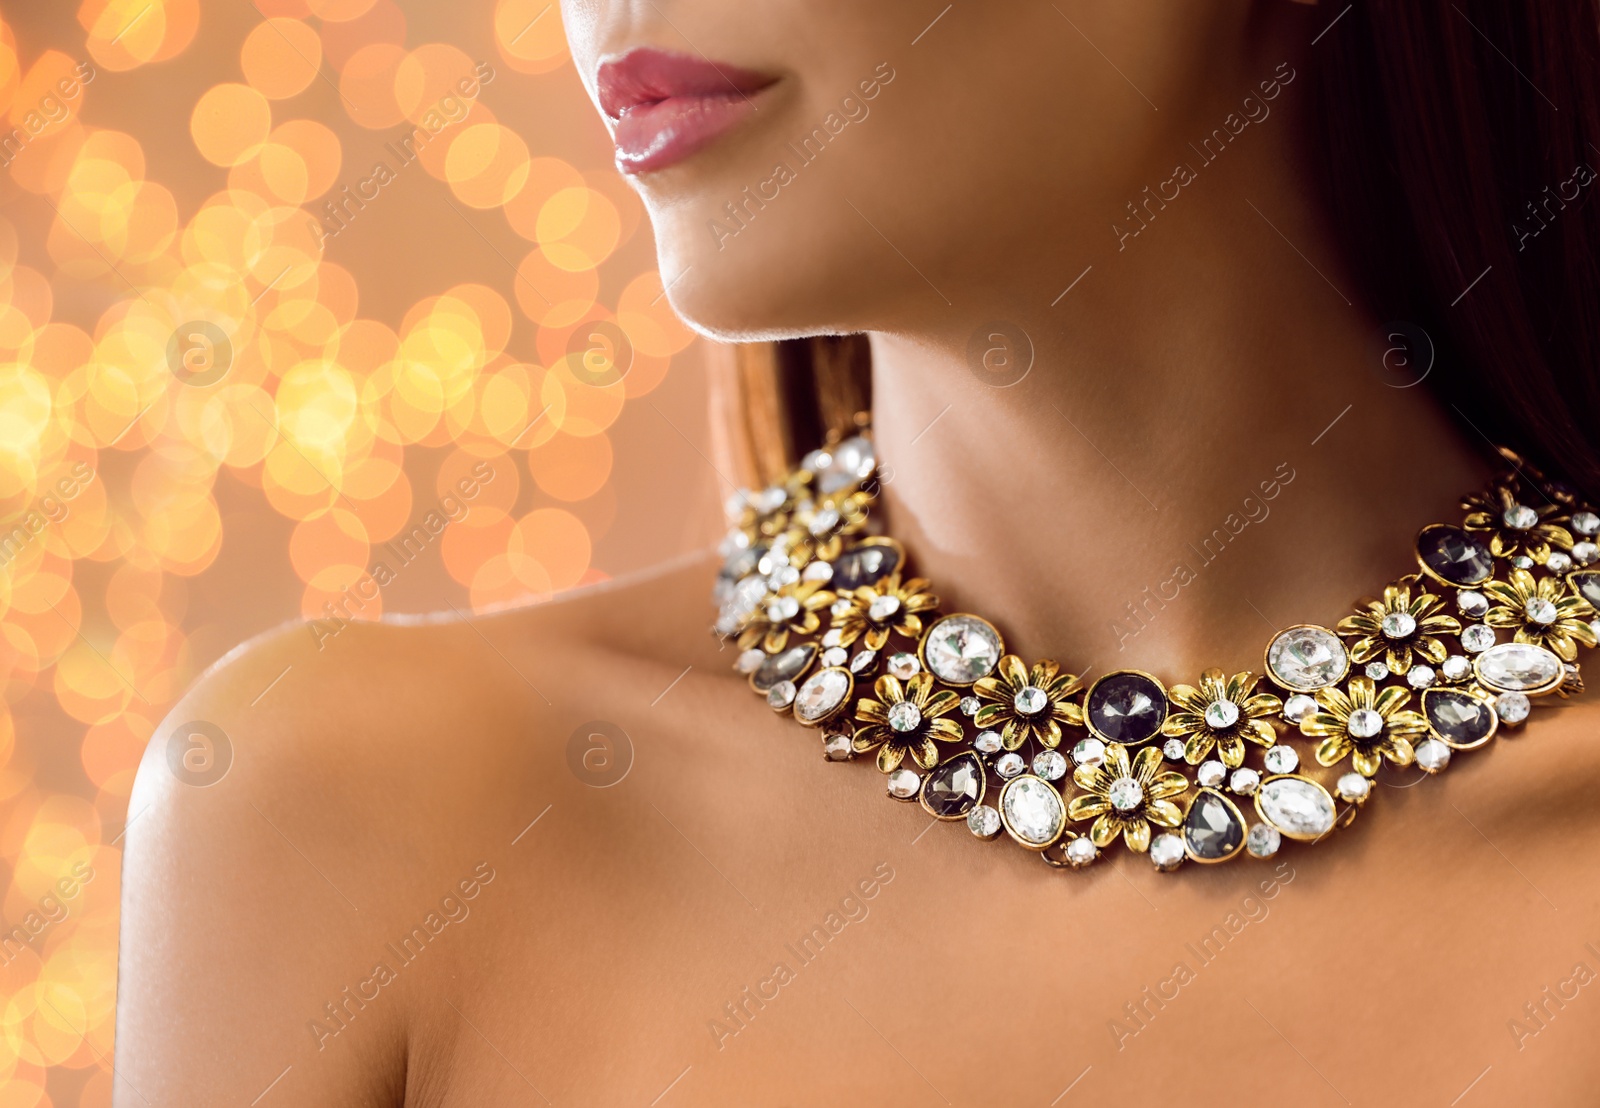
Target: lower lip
<point>654,136</point>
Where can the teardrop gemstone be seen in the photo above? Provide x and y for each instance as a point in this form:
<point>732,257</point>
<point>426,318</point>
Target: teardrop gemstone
<point>866,563</point>
<point>1213,829</point>
<point>786,666</point>
<point>954,788</point>
<point>1453,556</point>
<point>1459,720</point>
<point>1588,585</point>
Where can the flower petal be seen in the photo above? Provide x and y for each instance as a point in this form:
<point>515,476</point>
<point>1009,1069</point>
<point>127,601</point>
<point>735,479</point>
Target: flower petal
<point>1136,833</point>
<point>1164,813</point>
<point>1087,806</point>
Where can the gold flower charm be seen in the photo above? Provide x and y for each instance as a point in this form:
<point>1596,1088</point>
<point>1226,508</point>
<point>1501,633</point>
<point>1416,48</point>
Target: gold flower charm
<point>1023,703</point>
<point>1125,798</point>
<point>766,513</point>
<point>1399,626</point>
<point>818,530</point>
<point>792,609</point>
<point>875,610</point>
<point>906,719</point>
<point>1365,722</point>
<point>1513,527</point>
<point>1221,714</point>
<point>1543,612</point>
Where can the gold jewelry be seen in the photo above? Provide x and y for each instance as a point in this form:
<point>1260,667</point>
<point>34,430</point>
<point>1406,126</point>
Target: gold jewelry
<point>832,630</point>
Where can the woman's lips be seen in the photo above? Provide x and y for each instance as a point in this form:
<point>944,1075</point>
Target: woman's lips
<point>665,106</point>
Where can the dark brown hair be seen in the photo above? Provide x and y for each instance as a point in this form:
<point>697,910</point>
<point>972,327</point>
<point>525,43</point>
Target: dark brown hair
<point>1449,138</point>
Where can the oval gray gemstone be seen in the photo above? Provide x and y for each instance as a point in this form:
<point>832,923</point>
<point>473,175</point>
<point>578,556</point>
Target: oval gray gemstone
<point>1588,586</point>
<point>1127,707</point>
<point>786,666</point>
<point>954,788</point>
<point>1454,555</point>
<point>864,565</point>
<point>1460,721</point>
<point>1213,830</point>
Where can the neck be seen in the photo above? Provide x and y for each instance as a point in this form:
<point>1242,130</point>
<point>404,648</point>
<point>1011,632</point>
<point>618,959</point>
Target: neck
<point>1202,452</point>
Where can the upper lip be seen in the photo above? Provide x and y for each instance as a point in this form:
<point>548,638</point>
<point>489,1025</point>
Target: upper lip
<point>645,75</point>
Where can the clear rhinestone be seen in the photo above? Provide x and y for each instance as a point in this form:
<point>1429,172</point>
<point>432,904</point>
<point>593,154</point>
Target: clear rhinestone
<point>1513,707</point>
<point>1522,561</point>
<point>863,661</point>
<point>1455,668</point>
<point>1081,851</point>
<point>833,637</point>
<point>781,695</point>
<point>1364,723</point>
<point>970,705</point>
<point>749,660</point>
<point>1263,841</point>
<point>1281,759</point>
<point>818,571</point>
<point>904,665</point>
<point>1244,781</point>
<point>1298,707</point>
<point>1420,676</point>
<point>1166,852</point>
<point>823,522</point>
<point>1089,752</point>
<point>840,607</point>
<point>1558,562</point>
<point>1297,806</point>
<point>987,742</point>
<point>1221,714</point>
<point>960,649</point>
<point>1307,658</point>
<point>1377,671</point>
<point>1473,604</point>
<point>1432,755</point>
<point>1009,764</point>
<point>1211,773</point>
<point>1173,749</point>
<point>1352,788</point>
<point>1594,625</point>
<point>1050,765</point>
<point>821,694</point>
<point>1477,637</point>
<point>837,747</point>
<point>1030,700</point>
<point>1033,811</point>
<point>834,656</point>
<point>984,822</point>
<point>904,716</point>
<point>1585,552</point>
<point>1398,625</point>
<point>904,784</point>
<point>883,607</point>
<point>1585,523</point>
<point>1520,517</point>
<point>1125,794</point>
<point>770,499</point>
<point>782,609</point>
<point>1540,610</point>
<point>1519,667</point>
<point>784,575</point>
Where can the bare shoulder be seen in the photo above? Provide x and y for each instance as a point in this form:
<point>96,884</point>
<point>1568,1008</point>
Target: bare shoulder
<point>315,795</point>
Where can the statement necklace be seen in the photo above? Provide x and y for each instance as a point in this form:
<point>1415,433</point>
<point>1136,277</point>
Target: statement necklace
<point>832,630</point>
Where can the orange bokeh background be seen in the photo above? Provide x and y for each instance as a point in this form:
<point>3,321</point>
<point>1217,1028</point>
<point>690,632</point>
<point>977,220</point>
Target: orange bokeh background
<point>278,280</point>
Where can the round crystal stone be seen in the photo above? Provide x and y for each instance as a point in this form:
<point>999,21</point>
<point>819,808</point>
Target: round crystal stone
<point>1477,637</point>
<point>1520,517</point>
<point>1211,773</point>
<point>1540,610</point>
<point>1263,841</point>
<point>834,656</point>
<point>1173,749</point>
<point>837,747</point>
<point>1298,707</point>
<point>1513,707</point>
<point>1032,811</point>
<point>1455,668</point>
<point>770,499</point>
<point>970,705</point>
<point>1221,714</point>
<point>1398,625</point>
<point>1377,671</point>
<point>1522,561</point>
<point>984,822</point>
<point>782,609</point>
<point>833,637</point>
<point>903,784</point>
<point>1281,759</point>
<point>1364,723</point>
<point>1050,765</point>
<point>823,522</point>
<point>1126,707</point>
<point>1519,667</point>
<point>883,607</point>
<point>1420,677</point>
<point>1125,794</point>
<point>839,607</point>
<point>904,665</point>
<point>904,716</point>
<point>818,571</point>
<point>1009,764</point>
<point>1089,752</point>
<point>1081,851</point>
<point>1353,788</point>
<point>960,649</point>
<point>821,694</point>
<point>783,575</point>
<point>1585,552</point>
<point>1296,806</point>
<point>1030,700</point>
<point>1432,755</point>
<point>987,742</point>
<point>1454,555</point>
<point>1558,562</point>
<point>1585,523</point>
<point>1307,658</point>
<point>1244,781</point>
<point>749,660</point>
<point>1473,604</point>
<point>781,695</point>
<point>1166,852</point>
<point>863,661</point>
